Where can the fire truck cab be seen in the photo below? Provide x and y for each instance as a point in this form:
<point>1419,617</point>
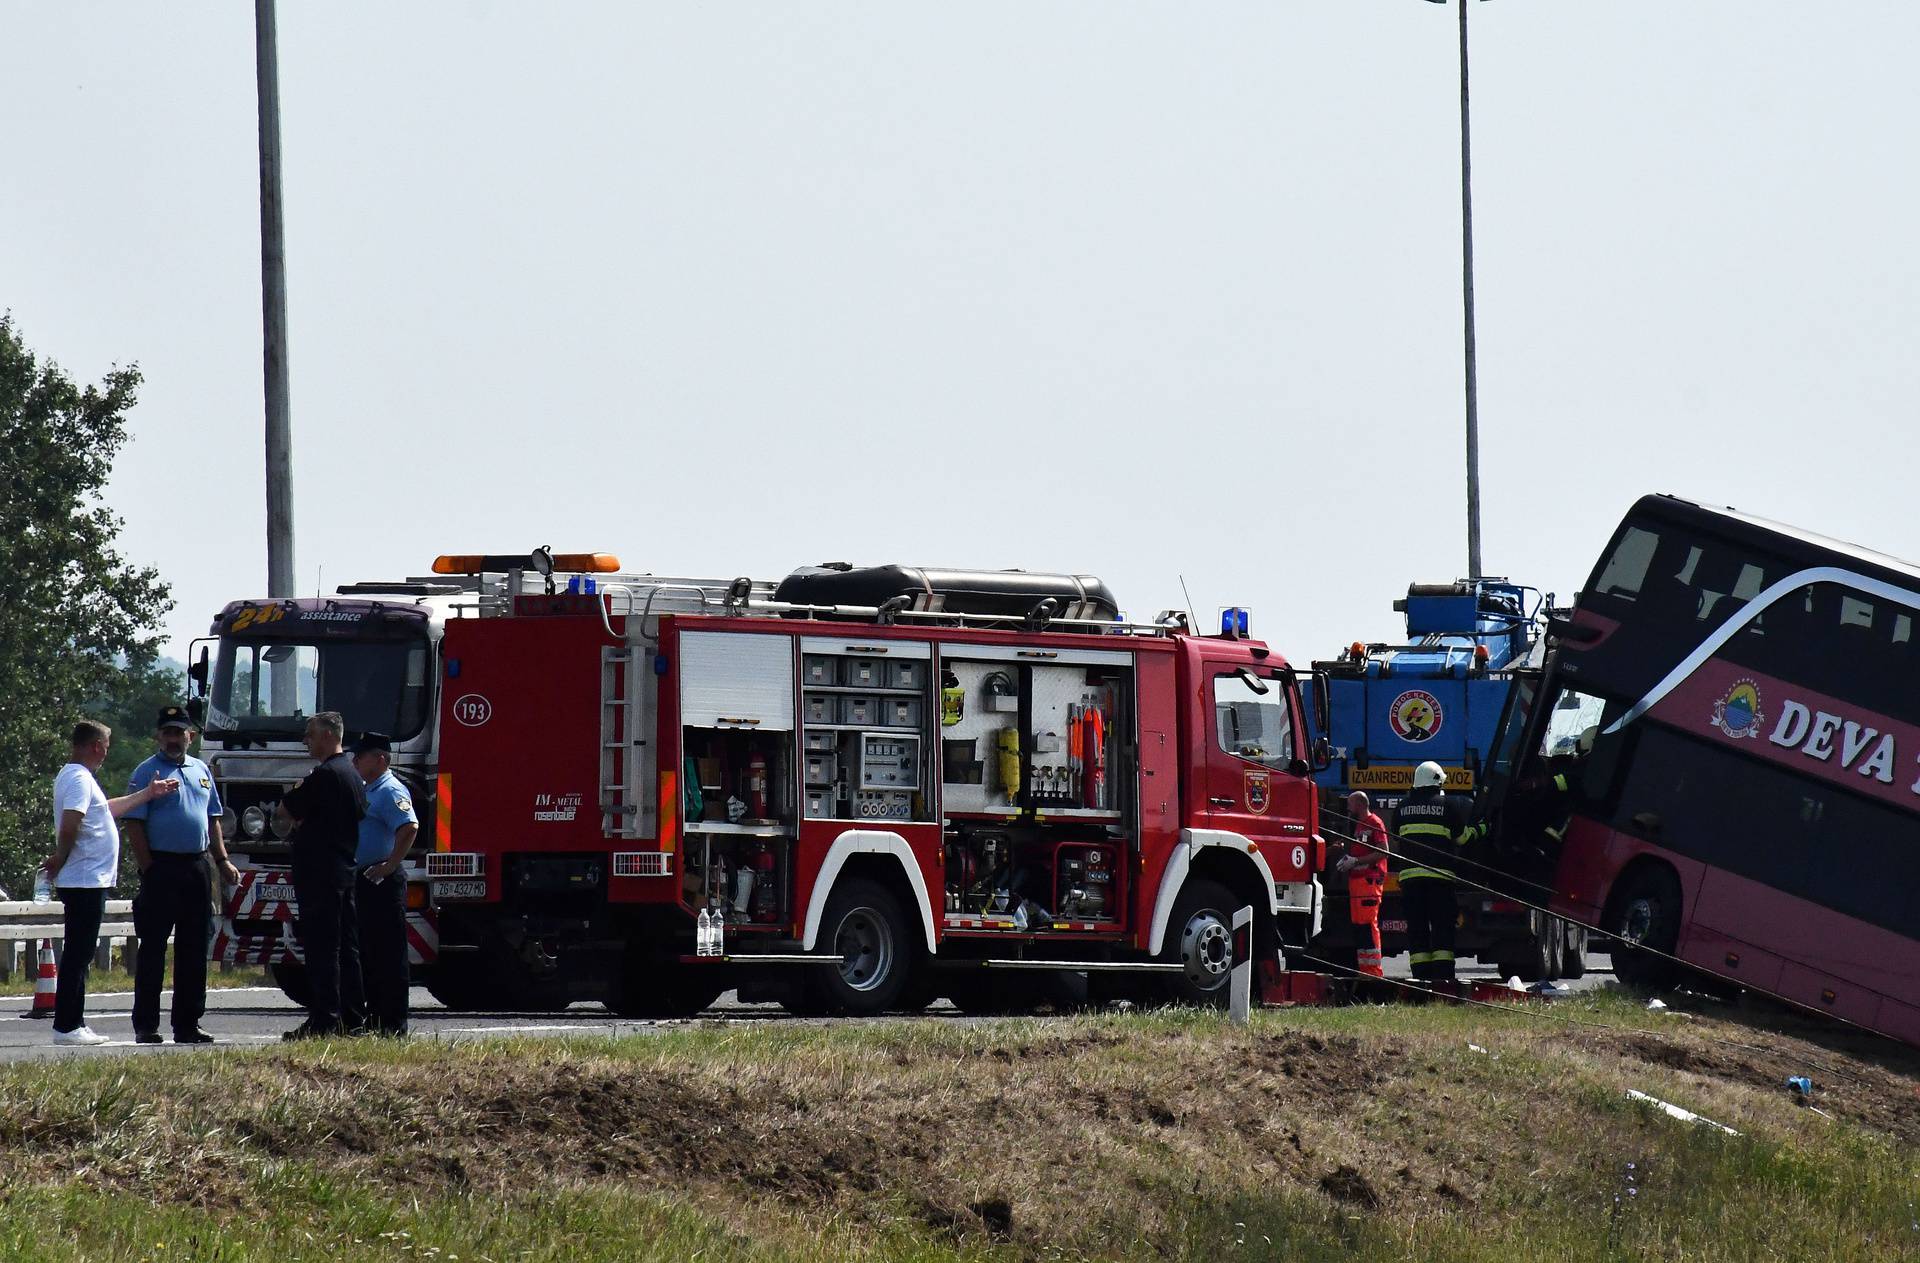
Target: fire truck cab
<point>859,790</point>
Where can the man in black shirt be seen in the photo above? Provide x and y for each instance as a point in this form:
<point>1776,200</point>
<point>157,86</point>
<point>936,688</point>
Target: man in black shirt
<point>326,809</point>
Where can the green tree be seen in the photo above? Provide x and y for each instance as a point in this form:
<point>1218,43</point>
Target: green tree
<point>78,623</point>
<point>129,709</point>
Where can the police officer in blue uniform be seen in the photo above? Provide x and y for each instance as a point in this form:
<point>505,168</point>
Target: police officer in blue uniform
<point>386,835</point>
<point>172,839</point>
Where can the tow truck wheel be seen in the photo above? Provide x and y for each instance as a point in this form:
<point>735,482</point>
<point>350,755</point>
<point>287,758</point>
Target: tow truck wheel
<point>1200,939</point>
<point>291,977</point>
<point>866,927</point>
<point>1645,910</point>
<point>1537,960</point>
<point>1573,954</point>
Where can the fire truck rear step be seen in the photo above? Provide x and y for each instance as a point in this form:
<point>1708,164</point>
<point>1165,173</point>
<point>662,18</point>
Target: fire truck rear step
<point>1088,966</point>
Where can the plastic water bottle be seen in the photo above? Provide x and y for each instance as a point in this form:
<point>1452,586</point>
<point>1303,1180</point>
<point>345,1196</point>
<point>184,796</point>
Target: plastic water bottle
<point>42,887</point>
<point>703,934</point>
<point>717,945</point>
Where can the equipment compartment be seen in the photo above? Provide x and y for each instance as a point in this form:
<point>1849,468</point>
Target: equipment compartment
<point>1027,878</point>
<point>1055,737</point>
<point>866,753</point>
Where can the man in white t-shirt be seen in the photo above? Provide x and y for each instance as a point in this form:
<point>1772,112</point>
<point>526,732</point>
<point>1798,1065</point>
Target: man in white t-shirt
<point>84,866</point>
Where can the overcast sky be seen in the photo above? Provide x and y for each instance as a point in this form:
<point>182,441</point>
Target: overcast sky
<point>1144,290</point>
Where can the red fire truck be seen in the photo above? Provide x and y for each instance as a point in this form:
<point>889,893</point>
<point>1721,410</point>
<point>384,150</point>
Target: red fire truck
<point>853,791</point>
<point>371,652</point>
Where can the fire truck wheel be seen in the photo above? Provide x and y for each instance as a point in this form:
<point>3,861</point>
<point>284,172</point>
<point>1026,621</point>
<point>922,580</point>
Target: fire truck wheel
<point>1645,910</point>
<point>867,928</point>
<point>1200,938</point>
<point>291,977</point>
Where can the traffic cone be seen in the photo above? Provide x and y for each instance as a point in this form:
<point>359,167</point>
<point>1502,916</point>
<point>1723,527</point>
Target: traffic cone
<point>46,983</point>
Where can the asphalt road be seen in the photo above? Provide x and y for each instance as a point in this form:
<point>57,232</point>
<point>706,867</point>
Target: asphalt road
<point>254,1017</point>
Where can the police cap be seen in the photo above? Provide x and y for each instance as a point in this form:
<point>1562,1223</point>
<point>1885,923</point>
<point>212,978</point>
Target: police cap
<point>173,717</point>
<point>373,743</point>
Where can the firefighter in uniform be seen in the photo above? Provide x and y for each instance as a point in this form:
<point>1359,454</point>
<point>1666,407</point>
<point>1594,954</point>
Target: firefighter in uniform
<point>1431,828</point>
<point>386,835</point>
<point>1543,806</point>
<point>1365,865</point>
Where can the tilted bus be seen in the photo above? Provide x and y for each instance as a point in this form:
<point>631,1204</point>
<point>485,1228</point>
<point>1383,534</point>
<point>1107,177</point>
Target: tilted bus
<point>1748,696</point>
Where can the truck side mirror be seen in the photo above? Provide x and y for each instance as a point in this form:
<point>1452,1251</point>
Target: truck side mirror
<point>1322,701</point>
<point>1322,754</point>
<point>197,673</point>
<point>197,711</point>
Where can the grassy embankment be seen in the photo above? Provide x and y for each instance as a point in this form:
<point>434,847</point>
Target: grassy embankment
<point>1327,1134</point>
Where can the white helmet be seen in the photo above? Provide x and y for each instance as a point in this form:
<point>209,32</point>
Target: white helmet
<point>1429,775</point>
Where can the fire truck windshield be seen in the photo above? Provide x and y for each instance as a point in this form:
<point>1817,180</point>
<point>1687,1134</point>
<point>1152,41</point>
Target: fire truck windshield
<point>268,688</point>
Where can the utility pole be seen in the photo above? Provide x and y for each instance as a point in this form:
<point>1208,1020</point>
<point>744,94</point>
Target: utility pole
<point>273,304</point>
<point>1466,290</point>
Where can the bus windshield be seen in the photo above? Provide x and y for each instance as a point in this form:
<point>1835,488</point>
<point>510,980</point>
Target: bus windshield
<point>269,688</point>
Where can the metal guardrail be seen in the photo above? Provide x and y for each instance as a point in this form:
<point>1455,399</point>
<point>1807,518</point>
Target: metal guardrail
<point>24,924</point>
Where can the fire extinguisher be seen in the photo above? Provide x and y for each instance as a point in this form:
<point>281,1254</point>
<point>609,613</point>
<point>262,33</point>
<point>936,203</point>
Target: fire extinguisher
<point>757,785</point>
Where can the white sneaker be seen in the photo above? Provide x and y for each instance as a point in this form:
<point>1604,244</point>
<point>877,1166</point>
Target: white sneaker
<point>80,1035</point>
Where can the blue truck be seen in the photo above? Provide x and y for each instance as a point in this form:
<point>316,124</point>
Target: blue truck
<point>1438,697</point>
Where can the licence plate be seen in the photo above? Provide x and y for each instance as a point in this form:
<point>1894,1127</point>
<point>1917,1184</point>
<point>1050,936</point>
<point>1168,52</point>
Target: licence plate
<point>1394,927</point>
<point>460,889</point>
<point>275,891</point>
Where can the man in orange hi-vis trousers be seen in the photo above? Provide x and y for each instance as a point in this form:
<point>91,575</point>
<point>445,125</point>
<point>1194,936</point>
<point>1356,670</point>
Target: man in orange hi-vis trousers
<point>1365,865</point>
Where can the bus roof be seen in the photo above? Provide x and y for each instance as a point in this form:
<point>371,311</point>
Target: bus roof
<point>1907,572</point>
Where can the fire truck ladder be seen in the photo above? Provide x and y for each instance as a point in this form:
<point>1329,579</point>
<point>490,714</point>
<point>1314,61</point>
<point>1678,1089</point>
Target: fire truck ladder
<point>619,743</point>
<point>627,756</point>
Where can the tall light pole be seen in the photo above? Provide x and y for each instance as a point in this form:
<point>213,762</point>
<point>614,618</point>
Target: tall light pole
<point>273,306</point>
<point>1466,293</point>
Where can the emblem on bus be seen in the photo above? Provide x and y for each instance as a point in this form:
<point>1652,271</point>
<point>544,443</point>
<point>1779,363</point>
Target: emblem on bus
<point>1738,713</point>
<point>1415,715</point>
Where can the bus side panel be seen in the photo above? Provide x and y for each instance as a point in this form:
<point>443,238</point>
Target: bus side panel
<point>1727,916</point>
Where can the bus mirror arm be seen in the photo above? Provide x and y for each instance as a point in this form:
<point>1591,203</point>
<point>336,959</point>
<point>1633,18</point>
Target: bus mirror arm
<point>1647,822</point>
<point>1566,630</point>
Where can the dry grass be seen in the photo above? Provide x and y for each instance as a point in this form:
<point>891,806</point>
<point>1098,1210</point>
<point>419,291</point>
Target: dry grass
<point>1338,1134</point>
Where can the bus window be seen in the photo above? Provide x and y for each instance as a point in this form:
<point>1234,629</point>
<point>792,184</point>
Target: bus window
<point>1573,714</point>
<point>1627,568</point>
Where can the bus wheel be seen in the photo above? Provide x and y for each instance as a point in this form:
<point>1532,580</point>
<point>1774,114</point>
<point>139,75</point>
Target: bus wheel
<point>291,977</point>
<point>1646,913</point>
<point>1200,940</point>
<point>866,927</point>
